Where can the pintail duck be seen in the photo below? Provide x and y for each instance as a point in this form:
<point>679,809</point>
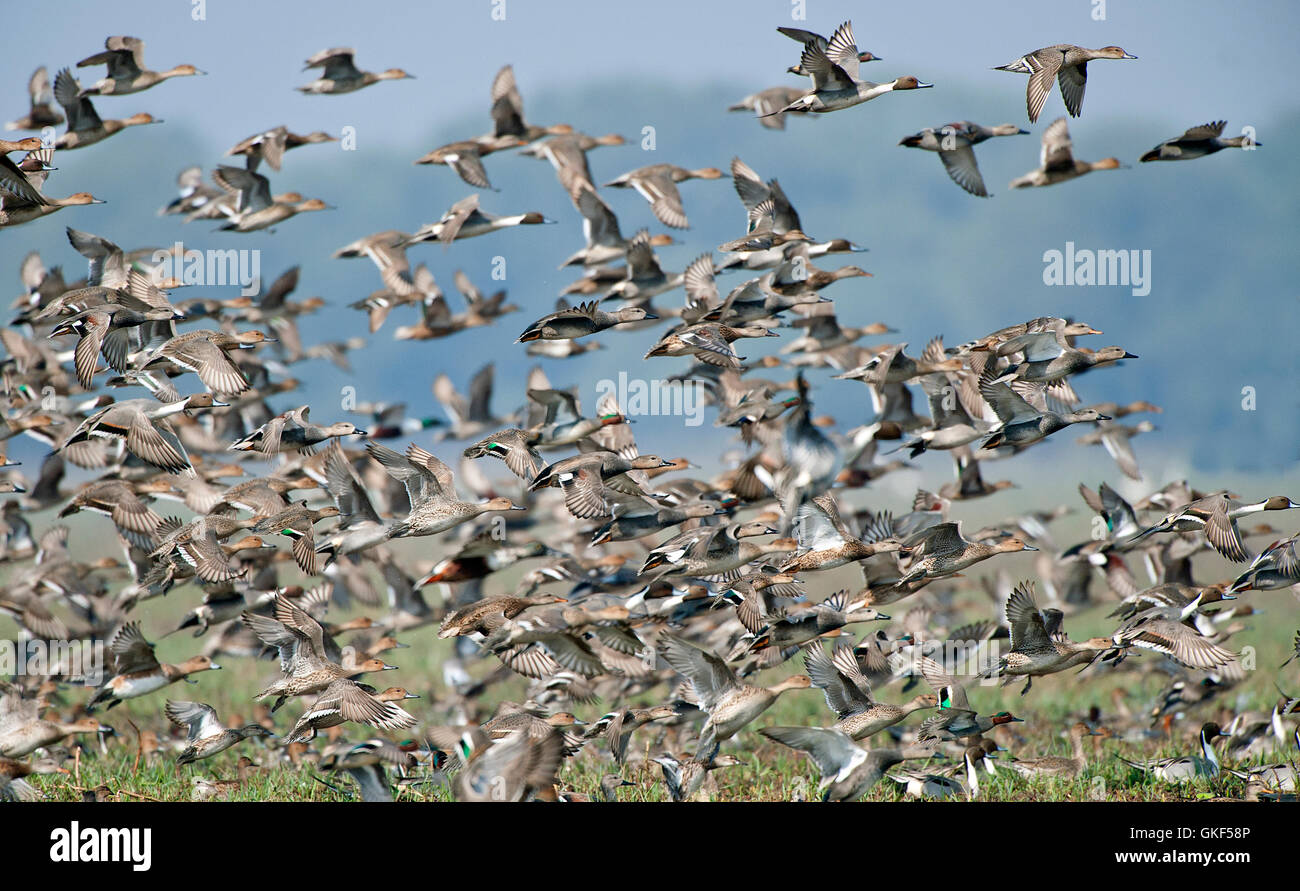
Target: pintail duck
<point>634,517</point>
<point>465,220</point>
<point>927,784</point>
<point>833,68</point>
<point>367,763</point>
<point>255,208</point>
<point>1065,63</point>
<point>763,231</point>
<point>340,75</point>
<point>618,726</point>
<point>848,693</point>
<point>892,366</point>
<point>690,779</point>
<point>767,105</point>
<point>84,125</point>
<point>487,616</point>
<point>518,767</point>
<point>714,551</point>
<point>138,672</point>
<point>1039,646</point>
<point>207,354</point>
<point>1057,765</point>
<point>14,182</point>
<point>709,342</point>
<point>1021,423</point>
<point>1216,516</point>
<point>954,143</point>
<point>346,700</point>
<point>581,321</point>
<point>124,57</point>
<point>23,731</point>
<point>1197,142</point>
<point>1170,630</point>
<point>14,774</point>
<point>793,627</point>
<point>1280,776</point>
<point>292,432</point>
<point>1185,768</point>
<point>942,550</point>
<point>466,157</point>
<point>1048,359</point>
<point>827,542</point>
<point>508,112</point>
<point>1275,567</point>
<point>605,242</point>
<point>657,184</point>
<point>730,703</point>
<point>207,735</point>
<point>42,112</point>
<point>801,36</point>
<point>1056,161</point>
<point>848,771</point>
<point>141,424</point>
<point>432,492</point>
<point>270,145</point>
<point>955,719</point>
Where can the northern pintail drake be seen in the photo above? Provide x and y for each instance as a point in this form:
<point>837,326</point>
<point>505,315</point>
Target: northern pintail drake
<point>1057,163</point>
<point>1197,142</point>
<point>137,671</point>
<point>465,220</point>
<point>84,125</point>
<point>929,784</point>
<point>1186,768</point>
<point>270,145</point>
<point>657,184</point>
<point>833,68</point>
<point>1276,567</point>
<point>1039,645</point>
<point>848,771</point>
<point>1065,63</point>
<point>730,703</point>
<point>207,736</point>
<point>431,489</point>
<point>42,112</point>
<point>1216,516</point>
<point>954,144</point>
<point>340,75</point>
<point>124,57</point>
<point>848,693</point>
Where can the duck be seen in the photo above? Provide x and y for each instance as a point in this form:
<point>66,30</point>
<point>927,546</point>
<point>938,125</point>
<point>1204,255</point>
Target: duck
<point>1216,516</point>
<point>85,127</point>
<point>14,774</point>
<point>137,671</point>
<point>270,146</point>
<point>942,550</point>
<point>833,69</point>
<point>14,183</point>
<point>826,541</point>
<point>464,219</point>
<point>797,626</point>
<point>802,36</point>
<point>767,105</point>
<point>1047,361</point>
<point>1185,768</point>
<point>714,551</point>
<point>42,112</point>
<point>892,366</point>
<point>955,719</point>
<point>291,432</point>
<point>580,321</point>
<point>142,426</point>
<point>1020,422</point>
<point>955,143</point>
<point>848,693</point>
<point>708,342</point>
<point>1065,63</point>
<point>1039,646</point>
<point>1280,776</point>
<point>207,354</point>
<point>690,779</point>
<point>432,492</point>
<point>255,208</point>
<point>1059,766</point>
<point>513,447</point>
<point>927,784</point>
<point>340,75</point>
<point>848,771</point>
<point>1275,567</point>
<point>486,616</point>
<point>657,184</point>
<point>1057,162</point>
<point>346,700</point>
<point>124,57</point>
<point>1197,142</point>
<point>367,763</point>
<point>583,479</point>
<point>618,726</point>
<point>465,156</point>
<point>730,703</point>
<point>207,735</point>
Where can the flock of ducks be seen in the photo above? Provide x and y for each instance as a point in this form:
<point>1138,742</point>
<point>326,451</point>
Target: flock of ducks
<point>660,592</point>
